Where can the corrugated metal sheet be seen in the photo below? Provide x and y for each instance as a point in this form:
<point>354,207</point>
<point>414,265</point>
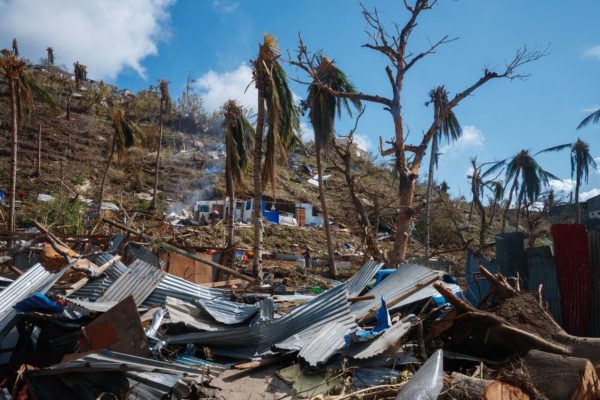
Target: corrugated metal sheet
<point>135,251</point>
<point>542,270</point>
<point>228,312</point>
<point>404,280</point>
<point>426,292</point>
<point>324,344</point>
<point>173,286</point>
<point>377,346</point>
<point>189,315</point>
<point>362,278</point>
<point>36,279</point>
<point>106,371</point>
<point>594,241</point>
<point>290,332</point>
<point>97,286</point>
<point>96,306</point>
<point>510,255</point>
<point>477,286</point>
<point>139,281</point>
<point>571,250</point>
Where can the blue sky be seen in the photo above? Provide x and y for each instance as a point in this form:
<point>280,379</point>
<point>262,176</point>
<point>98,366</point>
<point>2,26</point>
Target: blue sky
<point>213,40</point>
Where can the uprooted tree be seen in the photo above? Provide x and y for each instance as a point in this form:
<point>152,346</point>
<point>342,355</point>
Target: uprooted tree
<point>394,46</point>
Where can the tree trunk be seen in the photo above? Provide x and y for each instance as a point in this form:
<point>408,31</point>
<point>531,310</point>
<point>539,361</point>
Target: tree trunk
<point>559,377</point>
<point>108,161</point>
<point>230,193</point>
<point>12,214</point>
<point>330,254</point>
<point>510,196</point>
<point>480,208</point>
<point>466,387</point>
<point>428,194</point>
<point>158,147</point>
<point>38,171</point>
<point>368,232</point>
<point>405,214</point>
<point>577,184</point>
<point>257,209</point>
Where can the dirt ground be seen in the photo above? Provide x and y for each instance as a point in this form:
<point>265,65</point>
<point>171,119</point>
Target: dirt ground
<point>256,384</point>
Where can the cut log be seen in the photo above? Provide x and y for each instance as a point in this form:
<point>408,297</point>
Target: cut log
<point>465,387</point>
<point>560,377</point>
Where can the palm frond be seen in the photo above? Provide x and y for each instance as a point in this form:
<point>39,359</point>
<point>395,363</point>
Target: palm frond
<point>554,149</point>
<point>593,118</point>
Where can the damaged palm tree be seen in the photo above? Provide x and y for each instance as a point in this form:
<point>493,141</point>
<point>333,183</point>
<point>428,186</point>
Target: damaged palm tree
<point>23,89</point>
<point>80,73</point>
<point>394,46</point>
<point>323,107</point>
<point>238,138</point>
<point>126,134</point>
<point>165,104</point>
<point>276,108</point>
<point>581,161</point>
<point>448,128</point>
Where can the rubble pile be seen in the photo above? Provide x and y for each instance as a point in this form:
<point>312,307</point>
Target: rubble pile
<point>115,320</point>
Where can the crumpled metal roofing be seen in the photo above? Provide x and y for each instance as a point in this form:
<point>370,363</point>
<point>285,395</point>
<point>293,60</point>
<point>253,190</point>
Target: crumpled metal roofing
<point>228,312</point>
<point>97,306</point>
<point>174,286</point>
<point>404,281</point>
<point>35,279</point>
<point>362,278</point>
<point>426,292</point>
<point>135,251</point>
<point>290,332</point>
<point>148,378</point>
<point>139,281</point>
<point>382,343</point>
<point>97,286</point>
<point>324,344</point>
<point>190,315</point>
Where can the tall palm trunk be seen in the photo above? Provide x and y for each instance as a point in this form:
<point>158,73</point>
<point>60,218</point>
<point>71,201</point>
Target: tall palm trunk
<point>231,216</point>
<point>257,214</point>
<point>510,196</point>
<point>102,183</point>
<point>12,215</point>
<point>577,184</point>
<point>428,194</point>
<point>38,166</point>
<point>158,147</point>
<point>331,256</point>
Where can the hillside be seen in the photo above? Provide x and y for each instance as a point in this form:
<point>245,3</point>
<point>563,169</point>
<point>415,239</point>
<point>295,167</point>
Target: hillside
<point>75,150</point>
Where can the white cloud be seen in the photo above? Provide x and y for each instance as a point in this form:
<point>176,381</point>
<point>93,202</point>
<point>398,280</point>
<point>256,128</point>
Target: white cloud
<point>567,186</point>
<point>593,52</point>
<point>470,138</point>
<point>105,35</point>
<point>307,133</point>
<point>597,161</point>
<point>216,88</point>
<point>363,142</point>
<point>564,186</point>
<point>225,7</point>
<point>589,194</point>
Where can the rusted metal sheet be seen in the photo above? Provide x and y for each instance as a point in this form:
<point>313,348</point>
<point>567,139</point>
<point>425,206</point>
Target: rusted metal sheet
<point>541,269</point>
<point>594,243</point>
<point>571,252</point>
<point>510,255</point>
<point>119,329</point>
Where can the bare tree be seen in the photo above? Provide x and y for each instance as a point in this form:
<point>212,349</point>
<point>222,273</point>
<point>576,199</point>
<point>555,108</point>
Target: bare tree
<point>345,153</point>
<point>394,46</point>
